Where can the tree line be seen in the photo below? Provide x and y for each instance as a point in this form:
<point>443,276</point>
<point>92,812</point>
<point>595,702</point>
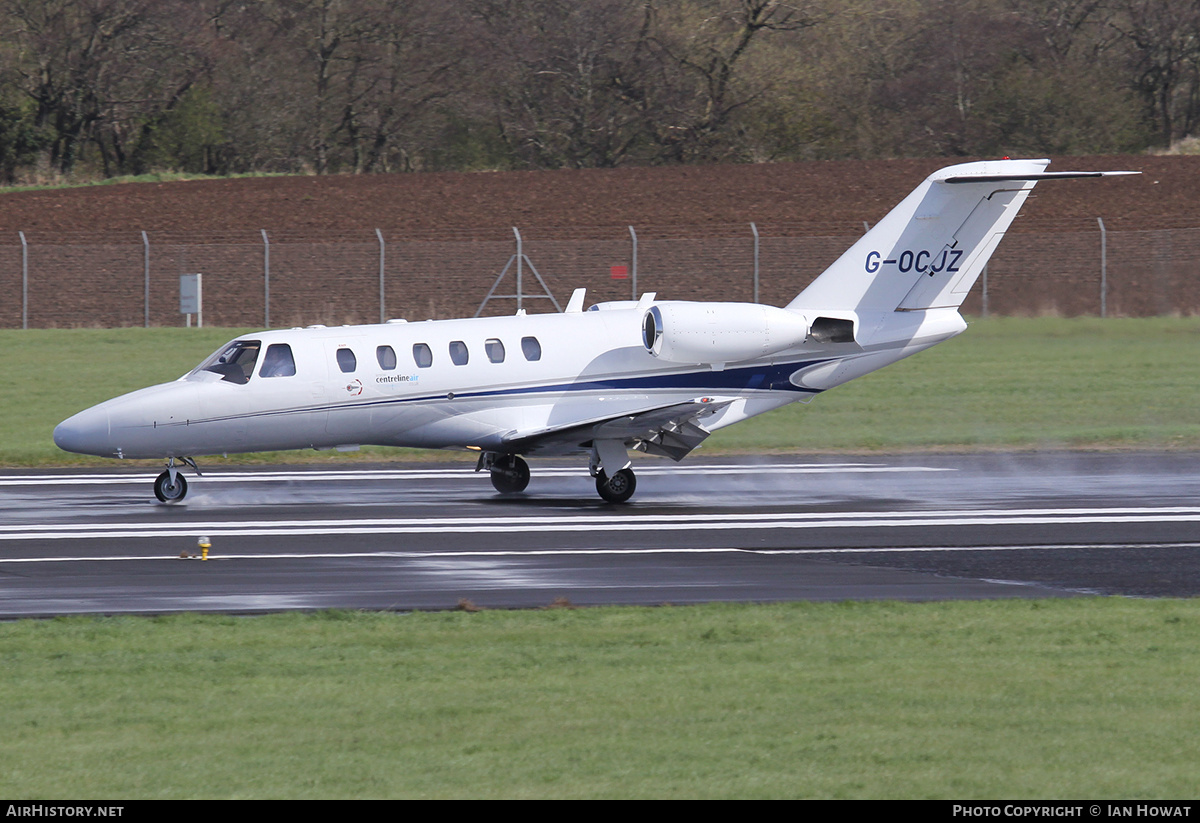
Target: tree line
<point>99,88</point>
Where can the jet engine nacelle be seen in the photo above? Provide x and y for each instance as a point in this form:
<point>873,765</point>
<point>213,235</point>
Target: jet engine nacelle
<point>718,333</point>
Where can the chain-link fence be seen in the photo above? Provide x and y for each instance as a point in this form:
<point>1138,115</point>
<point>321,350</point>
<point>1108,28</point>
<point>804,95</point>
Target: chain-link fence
<point>262,280</point>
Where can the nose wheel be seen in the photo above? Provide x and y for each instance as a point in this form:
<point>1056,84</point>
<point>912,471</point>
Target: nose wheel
<point>170,489</point>
<point>170,486</point>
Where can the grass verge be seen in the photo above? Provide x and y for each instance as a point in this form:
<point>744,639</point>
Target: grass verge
<point>1017,699</point>
<point>1008,383</point>
<point>1012,383</point>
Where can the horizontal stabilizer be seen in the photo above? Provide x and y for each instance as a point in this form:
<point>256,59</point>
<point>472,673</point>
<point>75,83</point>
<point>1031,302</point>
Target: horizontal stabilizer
<point>1046,175</point>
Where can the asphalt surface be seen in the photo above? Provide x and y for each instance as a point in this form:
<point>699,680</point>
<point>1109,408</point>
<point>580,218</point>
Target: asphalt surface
<point>924,527</point>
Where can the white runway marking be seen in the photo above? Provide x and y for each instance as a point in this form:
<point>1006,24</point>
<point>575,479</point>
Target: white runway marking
<point>466,472</point>
<point>603,523</point>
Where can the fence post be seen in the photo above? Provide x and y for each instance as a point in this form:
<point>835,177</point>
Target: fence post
<point>1103,268</point>
<point>266,280</point>
<point>520,273</point>
<point>985,294</point>
<point>633,261</point>
<point>24,281</point>
<point>382,310</point>
<point>146,278</point>
<point>754,229</point>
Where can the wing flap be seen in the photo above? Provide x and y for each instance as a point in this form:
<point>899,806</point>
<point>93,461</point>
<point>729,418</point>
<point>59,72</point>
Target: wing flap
<point>671,431</point>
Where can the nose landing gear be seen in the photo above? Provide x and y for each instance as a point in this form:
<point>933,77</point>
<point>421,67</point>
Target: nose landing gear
<point>170,489</point>
<point>171,486</point>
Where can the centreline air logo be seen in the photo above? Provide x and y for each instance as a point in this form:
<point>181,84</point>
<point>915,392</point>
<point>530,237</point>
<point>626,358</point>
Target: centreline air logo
<point>926,262</point>
<point>354,388</point>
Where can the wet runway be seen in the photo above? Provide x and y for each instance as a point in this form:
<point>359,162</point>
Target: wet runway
<point>431,537</point>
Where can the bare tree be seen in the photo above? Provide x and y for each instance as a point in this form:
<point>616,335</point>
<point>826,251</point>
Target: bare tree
<point>93,68</point>
<point>376,85</point>
<point>402,62</point>
<point>571,81</point>
<point>710,41</point>
<point>1164,39</point>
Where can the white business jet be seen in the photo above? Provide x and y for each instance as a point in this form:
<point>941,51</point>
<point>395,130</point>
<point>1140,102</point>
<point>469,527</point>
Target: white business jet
<point>656,376</point>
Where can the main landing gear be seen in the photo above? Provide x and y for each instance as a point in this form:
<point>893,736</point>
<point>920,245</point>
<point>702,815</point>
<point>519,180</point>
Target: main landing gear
<point>171,486</point>
<point>510,475</point>
<point>618,488</point>
<point>615,485</point>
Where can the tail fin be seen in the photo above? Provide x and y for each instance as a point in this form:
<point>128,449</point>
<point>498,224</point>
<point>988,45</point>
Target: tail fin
<point>930,249</point>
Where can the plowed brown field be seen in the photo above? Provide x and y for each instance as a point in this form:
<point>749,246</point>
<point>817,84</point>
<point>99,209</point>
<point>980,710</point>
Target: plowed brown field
<point>448,236</point>
<point>679,197</point>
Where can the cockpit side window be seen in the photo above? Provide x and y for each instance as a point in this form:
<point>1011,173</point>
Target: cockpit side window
<point>278,361</point>
<point>235,362</point>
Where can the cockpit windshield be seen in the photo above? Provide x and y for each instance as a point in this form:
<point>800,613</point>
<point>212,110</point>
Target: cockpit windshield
<point>235,362</point>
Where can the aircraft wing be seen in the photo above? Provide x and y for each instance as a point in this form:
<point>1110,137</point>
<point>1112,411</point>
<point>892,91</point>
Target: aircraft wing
<point>671,431</point>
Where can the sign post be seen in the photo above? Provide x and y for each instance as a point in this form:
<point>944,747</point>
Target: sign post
<point>191,298</point>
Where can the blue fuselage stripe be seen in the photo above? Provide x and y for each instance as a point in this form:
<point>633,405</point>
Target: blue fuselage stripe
<point>752,378</point>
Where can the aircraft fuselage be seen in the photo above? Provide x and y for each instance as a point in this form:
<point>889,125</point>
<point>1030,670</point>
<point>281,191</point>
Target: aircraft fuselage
<point>489,384</point>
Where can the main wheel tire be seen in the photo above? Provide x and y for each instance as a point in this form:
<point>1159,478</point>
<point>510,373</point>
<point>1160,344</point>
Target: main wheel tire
<point>618,488</point>
<point>510,474</point>
<point>169,492</point>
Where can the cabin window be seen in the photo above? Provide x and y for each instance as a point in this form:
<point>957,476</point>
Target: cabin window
<point>235,362</point>
<point>422,355</point>
<point>531,348</point>
<point>346,360</point>
<point>495,350</point>
<point>458,353</point>
<point>278,361</point>
<point>386,356</point>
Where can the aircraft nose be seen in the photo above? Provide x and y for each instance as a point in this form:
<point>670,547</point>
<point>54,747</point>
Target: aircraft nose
<point>85,433</point>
